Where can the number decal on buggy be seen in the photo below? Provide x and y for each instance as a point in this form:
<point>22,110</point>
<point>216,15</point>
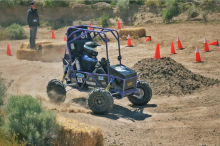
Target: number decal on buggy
<point>83,36</point>
<point>80,80</point>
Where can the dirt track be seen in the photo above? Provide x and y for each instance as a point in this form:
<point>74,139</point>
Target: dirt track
<point>193,119</point>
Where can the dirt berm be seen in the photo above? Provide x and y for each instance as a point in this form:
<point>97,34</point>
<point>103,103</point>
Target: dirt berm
<point>168,77</point>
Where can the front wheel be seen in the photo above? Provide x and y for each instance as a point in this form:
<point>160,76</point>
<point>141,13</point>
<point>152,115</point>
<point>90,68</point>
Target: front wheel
<point>143,96</point>
<point>56,91</point>
<point>100,101</point>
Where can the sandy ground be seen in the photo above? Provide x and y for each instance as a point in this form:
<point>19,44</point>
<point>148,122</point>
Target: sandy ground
<point>192,119</point>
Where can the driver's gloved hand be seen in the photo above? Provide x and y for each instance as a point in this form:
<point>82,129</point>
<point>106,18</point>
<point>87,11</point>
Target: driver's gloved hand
<point>103,61</point>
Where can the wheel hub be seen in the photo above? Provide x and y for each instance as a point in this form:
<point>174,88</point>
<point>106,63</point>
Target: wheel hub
<point>99,101</point>
<point>139,94</point>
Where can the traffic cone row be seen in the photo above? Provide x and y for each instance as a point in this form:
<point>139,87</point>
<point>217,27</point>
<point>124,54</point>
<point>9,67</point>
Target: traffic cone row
<point>172,50</point>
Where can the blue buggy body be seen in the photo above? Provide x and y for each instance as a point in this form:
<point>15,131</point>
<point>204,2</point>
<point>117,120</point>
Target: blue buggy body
<point>88,81</point>
<point>118,82</point>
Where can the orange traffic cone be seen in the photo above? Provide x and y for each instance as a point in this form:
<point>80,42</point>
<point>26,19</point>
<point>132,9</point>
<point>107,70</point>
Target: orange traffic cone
<point>172,50</point>
<point>179,44</point>
<point>64,38</point>
<point>148,38</point>
<point>157,52</point>
<point>8,50</point>
<point>129,42</point>
<point>53,36</point>
<point>119,26</point>
<point>90,28</point>
<point>206,47</point>
<point>214,43</point>
<point>198,58</point>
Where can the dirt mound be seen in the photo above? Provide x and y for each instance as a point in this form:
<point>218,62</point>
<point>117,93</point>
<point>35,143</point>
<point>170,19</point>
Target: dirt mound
<point>168,77</point>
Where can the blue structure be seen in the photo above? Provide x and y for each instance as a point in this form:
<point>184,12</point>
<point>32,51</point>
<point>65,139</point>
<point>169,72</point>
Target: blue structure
<point>122,80</point>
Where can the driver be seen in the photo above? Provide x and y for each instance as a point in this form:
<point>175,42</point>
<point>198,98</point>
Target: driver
<point>89,59</point>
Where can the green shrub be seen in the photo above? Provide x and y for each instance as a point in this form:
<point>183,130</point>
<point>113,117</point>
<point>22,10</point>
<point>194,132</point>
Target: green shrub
<point>2,92</point>
<point>6,140</point>
<point>154,3</point>
<point>15,32</point>
<point>192,13</point>
<point>183,7</point>
<point>166,15</point>
<point>170,11</point>
<point>171,3</point>
<point>113,3</point>
<point>27,118</point>
<point>174,11</point>
<point>104,20</point>
<point>204,14</point>
<point>123,6</point>
<point>17,2</point>
<point>80,1</point>
<point>139,2</point>
<point>3,35</point>
<point>55,3</point>
<point>44,24</point>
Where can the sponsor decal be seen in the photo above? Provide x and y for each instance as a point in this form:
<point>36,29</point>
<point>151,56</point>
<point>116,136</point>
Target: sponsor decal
<point>80,75</point>
<point>103,83</point>
<point>90,83</point>
<point>72,46</point>
<point>80,80</point>
<point>130,83</point>
<point>100,77</point>
<point>90,78</point>
<point>121,69</point>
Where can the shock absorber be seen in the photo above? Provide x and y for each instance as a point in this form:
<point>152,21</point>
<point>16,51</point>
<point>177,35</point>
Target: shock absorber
<point>66,69</point>
<point>65,72</point>
<point>109,85</point>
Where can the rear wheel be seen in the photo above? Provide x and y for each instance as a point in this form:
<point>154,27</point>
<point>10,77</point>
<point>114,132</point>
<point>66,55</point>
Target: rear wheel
<point>100,101</point>
<point>56,91</point>
<point>143,96</point>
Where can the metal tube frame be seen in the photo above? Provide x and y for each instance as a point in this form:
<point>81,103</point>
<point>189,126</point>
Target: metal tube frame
<point>103,31</point>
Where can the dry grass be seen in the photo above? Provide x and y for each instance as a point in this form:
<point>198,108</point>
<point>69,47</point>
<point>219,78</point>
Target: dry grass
<point>51,52</point>
<point>27,45</point>
<point>26,54</point>
<point>134,33</point>
<point>75,133</point>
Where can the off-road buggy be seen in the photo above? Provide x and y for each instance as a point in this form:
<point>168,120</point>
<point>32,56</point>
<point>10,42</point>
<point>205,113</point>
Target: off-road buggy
<point>118,82</point>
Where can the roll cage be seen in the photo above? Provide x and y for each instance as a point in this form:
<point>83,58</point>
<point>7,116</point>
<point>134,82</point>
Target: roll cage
<point>83,34</point>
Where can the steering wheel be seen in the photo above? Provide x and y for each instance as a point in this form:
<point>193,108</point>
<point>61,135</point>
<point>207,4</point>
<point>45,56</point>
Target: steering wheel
<point>104,61</point>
